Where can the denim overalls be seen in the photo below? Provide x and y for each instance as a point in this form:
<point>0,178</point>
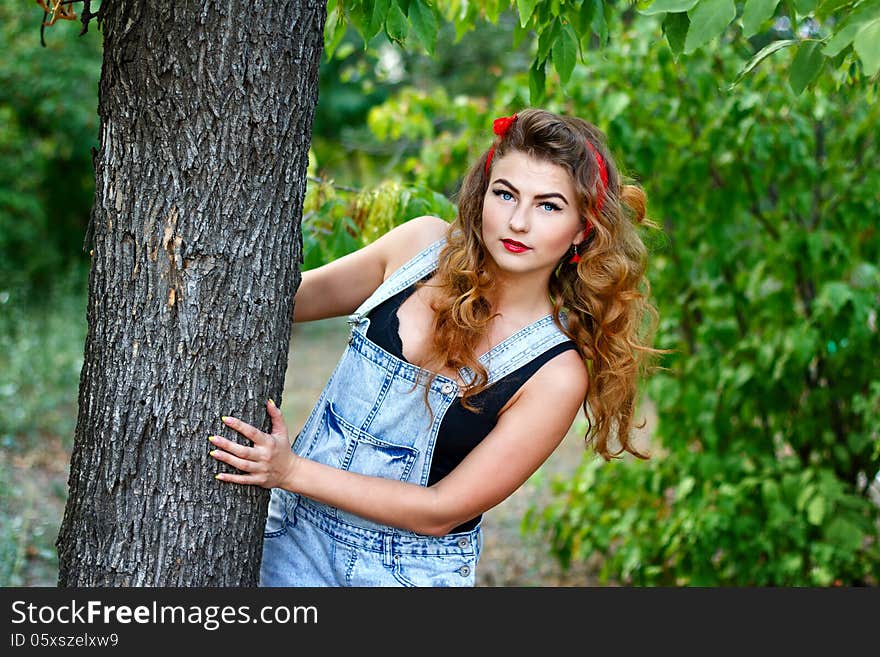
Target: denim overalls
<point>371,418</point>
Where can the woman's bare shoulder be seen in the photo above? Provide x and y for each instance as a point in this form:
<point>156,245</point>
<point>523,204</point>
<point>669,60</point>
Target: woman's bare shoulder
<point>562,381</point>
<point>411,237</point>
<point>564,376</point>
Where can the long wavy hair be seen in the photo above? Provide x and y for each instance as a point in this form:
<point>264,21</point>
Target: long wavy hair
<point>601,303</point>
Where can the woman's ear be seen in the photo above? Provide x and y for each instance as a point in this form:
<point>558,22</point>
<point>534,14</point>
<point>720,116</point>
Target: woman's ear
<point>583,233</point>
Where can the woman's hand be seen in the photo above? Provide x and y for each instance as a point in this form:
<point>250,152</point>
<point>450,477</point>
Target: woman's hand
<point>268,463</point>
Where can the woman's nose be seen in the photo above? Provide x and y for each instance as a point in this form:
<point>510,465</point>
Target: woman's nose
<point>519,220</point>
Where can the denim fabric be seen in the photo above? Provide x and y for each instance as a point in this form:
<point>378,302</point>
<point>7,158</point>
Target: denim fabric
<point>371,418</point>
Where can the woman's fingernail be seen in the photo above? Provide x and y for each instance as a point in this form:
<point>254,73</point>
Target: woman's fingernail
<point>212,452</point>
<point>218,476</point>
<point>226,419</point>
<point>272,402</point>
<point>212,438</point>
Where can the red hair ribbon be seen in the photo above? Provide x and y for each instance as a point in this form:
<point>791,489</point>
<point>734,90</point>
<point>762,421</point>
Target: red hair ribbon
<point>603,174</point>
<point>600,199</point>
<point>499,127</point>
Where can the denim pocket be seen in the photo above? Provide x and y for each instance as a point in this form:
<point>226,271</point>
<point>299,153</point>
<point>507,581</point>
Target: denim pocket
<point>368,454</point>
<point>276,518</point>
<point>434,570</point>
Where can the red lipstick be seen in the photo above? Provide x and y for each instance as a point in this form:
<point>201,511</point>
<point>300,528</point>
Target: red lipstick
<point>514,247</point>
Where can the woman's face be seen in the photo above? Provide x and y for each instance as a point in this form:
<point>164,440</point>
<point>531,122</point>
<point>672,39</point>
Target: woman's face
<point>530,215</point>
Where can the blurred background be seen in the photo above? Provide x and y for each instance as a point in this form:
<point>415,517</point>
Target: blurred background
<point>762,422</point>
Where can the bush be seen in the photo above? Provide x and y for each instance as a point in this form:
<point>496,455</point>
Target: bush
<point>767,444</point>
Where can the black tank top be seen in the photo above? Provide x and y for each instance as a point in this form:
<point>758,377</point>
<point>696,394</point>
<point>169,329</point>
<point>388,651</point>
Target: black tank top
<point>461,430</point>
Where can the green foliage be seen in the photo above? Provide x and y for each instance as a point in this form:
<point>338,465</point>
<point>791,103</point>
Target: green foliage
<point>440,129</point>
<point>339,220</point>
<point>355,80</point>
<point>837,34</point>
<point>833,35</point>
<point>767,442</point>
<point>349,85</point>
<point>48,123</point>
<point>719,519</point>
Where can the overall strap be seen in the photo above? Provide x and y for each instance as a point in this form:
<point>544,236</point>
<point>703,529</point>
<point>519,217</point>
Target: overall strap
<point>518,349</point>
<point>414,270</point>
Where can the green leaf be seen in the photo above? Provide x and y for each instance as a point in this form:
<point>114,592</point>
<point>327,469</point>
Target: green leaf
<point>806,65</point>
<point>396,26</point>
<point>804,496</point>
<point>805,7</point>
<point>761,55</point>
<point>816,510</point>
<point>614,104</point>
<point>525,7</point>
<point>668,6</point>
<point>675,26</point>
<point>844,534</point>
<point>356,15</point>
<point>378,12</point>
<point>546,38</point>
<point>585,17</point>
<point>492,9</point>
<point>755,13</point>
<point>424,24</point>
<point>537,79</point>
<point>865,13</point>
<point>834,295</point>
<point>769,491</point>
<point>709,18</point>
<point>519,34</point>
<point>867,46</point>
<point>600,25</point>
<point>684,488</point>
<point>565,54</point>
<point>334,29</point>
<point>828,8</point>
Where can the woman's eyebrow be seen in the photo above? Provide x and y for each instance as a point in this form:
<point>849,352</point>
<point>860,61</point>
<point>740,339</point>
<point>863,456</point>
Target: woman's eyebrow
<point>537,196</point>
<point>553,195</point>
<point>506,182</point>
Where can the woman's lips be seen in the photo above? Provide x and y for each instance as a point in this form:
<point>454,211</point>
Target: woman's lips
<point>514,247</point>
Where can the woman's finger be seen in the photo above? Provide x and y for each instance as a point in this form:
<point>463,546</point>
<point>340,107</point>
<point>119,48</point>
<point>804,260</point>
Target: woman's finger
<point>279,427</point>
<point>238,478</point>
<point>238,463</point>
<point>238,449</point>
<point>251,433</point>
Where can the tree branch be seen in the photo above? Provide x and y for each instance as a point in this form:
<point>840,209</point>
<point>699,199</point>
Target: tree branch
<point>755,206</point>
<point>341,188</point>
<point>819,132</point>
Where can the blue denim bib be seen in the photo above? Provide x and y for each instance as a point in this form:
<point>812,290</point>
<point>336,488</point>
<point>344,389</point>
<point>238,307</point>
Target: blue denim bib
<point>371,418</point>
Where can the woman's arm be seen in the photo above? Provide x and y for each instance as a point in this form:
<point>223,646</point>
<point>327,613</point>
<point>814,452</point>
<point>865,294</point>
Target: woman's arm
<point>524,437</point>
<point>340,286</point>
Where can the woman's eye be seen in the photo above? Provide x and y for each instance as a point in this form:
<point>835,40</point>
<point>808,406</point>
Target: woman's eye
<point>503,194</point>
<point>550,207</point>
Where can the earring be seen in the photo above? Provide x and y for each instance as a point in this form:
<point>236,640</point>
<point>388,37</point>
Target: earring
<point>575,257</point>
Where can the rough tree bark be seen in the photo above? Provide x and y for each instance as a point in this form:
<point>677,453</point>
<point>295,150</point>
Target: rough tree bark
<point>206,111</point>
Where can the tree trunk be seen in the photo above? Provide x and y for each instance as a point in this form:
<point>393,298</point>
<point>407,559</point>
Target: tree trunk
<point>206,112</point>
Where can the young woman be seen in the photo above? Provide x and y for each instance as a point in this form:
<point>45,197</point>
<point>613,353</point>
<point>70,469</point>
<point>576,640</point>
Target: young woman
<point>473,345</point>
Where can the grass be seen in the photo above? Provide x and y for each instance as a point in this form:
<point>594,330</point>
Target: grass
<point>41,354</point>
